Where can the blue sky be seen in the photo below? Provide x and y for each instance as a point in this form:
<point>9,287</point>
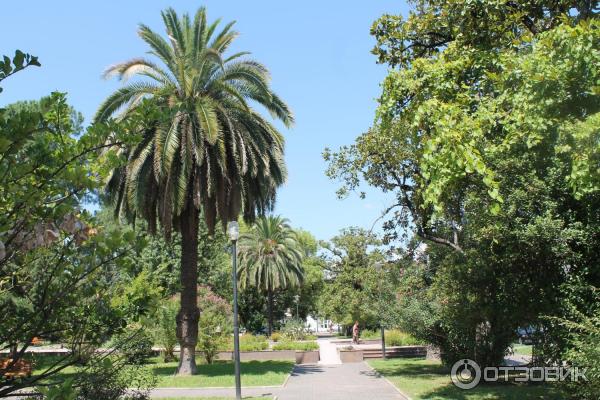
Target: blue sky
<point>318,53</point>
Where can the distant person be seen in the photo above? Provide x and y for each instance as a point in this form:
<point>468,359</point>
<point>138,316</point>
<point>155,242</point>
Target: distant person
<point>355,332</point>
<point>330,327</point>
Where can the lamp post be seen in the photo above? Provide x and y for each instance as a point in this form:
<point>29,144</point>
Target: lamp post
<point>379,267</point>
<point>233,231</point>
<point>297,299</point>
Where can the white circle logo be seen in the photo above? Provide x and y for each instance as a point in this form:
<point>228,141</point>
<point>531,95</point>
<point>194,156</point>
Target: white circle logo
<point>465,374</point>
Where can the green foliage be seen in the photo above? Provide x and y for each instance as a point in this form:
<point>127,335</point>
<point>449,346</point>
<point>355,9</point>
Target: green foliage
<point>201,152</point>
<point>270,259</point>
<point>484,134</point>
<point>584,352</point>
<point>139,297</point>
<point>270,255</point>
<point>20,61</point>
<point>108,378</point>
<point>248,342</point>
<point>370,334</point>
<point>275,337</point>
<point>62,391</point>
<point>395,337</point>
<point>134,345</point>
<point>293,329</point>
<point>298,346</point>
<point>215,323</point>
<point>162,326</point>
<point>351,280</point>
<point>57,266</point>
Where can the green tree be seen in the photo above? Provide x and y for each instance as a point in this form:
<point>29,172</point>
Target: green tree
<point>215,323</point>
<point>209,154</point>
<point>19,62</point>
<point>57,266</point>
<point>350,278</point>
<point>270,259</point>
<point>484,135</point>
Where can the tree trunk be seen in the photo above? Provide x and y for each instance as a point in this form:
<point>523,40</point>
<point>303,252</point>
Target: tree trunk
<point>270,307</point>
<point>189,314</point>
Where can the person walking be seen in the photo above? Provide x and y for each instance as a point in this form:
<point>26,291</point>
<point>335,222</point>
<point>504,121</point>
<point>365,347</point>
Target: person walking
<point>355,332</point>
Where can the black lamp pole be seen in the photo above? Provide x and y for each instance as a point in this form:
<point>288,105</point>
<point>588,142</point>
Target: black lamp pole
<point>378,267</point>
<point>233,229</point>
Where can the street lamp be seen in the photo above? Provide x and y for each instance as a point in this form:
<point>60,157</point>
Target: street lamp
<point>297,298</point>
<point>379,267</point>
<point>233,231</point>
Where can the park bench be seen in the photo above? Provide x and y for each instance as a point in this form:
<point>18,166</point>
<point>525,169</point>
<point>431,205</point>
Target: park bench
<point>21,369</point>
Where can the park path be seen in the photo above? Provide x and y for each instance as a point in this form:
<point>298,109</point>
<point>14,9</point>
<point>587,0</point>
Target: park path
<point>328,354</point>
<point>353,381</point>
<point>327,380</point>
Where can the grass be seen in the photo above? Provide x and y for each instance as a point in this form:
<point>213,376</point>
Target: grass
<point>301,346</point>
<point>424,379</point>
<point>220,374</point>
<point>214,398</point>
<point>248,343</point>
<point>522,349</point>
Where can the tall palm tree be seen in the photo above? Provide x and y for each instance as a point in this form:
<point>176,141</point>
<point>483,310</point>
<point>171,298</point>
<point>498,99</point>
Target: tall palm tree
<point>215,157</point>
<point>270,258</point>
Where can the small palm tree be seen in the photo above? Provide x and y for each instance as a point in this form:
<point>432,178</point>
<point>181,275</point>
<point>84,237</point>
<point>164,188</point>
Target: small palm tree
<point>270,258</point>
<point>215,156</point>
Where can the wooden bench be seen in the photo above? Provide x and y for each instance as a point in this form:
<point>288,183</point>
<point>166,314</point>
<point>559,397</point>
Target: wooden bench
<point>21,369</point>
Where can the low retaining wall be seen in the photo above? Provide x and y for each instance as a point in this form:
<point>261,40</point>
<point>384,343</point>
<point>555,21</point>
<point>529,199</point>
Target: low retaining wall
<point>358,354</point>
<point>299,357</point>
<point>361,341</point>
<point>351,356</point>
<point>307,357</point>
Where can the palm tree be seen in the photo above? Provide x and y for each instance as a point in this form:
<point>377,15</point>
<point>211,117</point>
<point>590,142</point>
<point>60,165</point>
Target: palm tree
<point>215,156</point>
<point>270,258</point>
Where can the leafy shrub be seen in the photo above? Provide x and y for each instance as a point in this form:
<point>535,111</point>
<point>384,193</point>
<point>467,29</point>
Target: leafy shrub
<point>253,343</point>
<point>248,342</point>
<point>584,351</point>
<point>276,336</point>
<point>108,378</point>
<point>214,323</point>
<point>370,334</point>
<point>135,344</point>
<point>299,346</point>
<point>163,325</point>
<point>398,338</point>
<point>61,391</point>
<point>293,329</point>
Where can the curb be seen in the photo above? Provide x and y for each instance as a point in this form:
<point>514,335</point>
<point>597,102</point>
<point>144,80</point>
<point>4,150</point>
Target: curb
<point>406,397</point>
<point>221,387</point>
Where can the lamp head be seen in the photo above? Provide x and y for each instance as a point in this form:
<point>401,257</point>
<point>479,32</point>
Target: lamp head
<point>233,230</point>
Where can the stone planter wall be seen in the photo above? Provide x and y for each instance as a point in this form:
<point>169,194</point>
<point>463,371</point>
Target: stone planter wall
<point>265,355</point>
<point>351,356</point>
<point>307,357</point>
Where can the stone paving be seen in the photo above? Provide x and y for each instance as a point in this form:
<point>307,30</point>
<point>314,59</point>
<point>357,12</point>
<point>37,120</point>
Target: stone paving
<point>327,380</point>
<point>354,381</point>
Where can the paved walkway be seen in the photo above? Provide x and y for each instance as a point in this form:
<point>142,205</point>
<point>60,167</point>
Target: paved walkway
<point>354,381</point>
<point>328,380</point>
<point>217,392</point>
<point>328,353</point>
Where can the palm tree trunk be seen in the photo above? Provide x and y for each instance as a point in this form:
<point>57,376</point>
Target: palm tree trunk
<point>270,307</point>
<point>189,314</point>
